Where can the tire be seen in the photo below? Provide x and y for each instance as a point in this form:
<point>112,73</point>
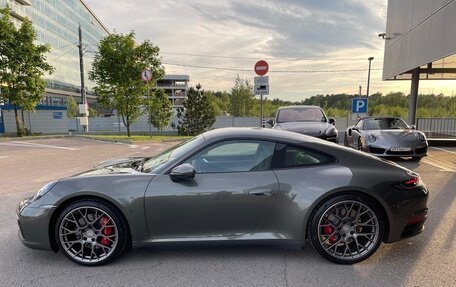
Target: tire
<point>346,237</point>
<point>360,145</point>
<point>417,158</point>
<point>345,139</point>
<point>91,226</point>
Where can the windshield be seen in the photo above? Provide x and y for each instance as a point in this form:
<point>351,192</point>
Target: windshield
<point>385,124</point>
<point>159,160</point>
<point>301,115</point>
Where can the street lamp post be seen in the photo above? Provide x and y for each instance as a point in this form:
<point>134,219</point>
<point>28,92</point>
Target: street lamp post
<point>369,74</point>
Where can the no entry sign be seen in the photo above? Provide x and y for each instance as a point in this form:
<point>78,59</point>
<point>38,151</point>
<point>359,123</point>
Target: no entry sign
<point>261,68</point>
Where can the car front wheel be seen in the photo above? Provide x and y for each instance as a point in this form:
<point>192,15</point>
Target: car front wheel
<point>346,229</point>
<point>91,232</point>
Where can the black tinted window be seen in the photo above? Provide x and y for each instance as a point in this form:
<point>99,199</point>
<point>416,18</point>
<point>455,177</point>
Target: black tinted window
<point>297,157</point>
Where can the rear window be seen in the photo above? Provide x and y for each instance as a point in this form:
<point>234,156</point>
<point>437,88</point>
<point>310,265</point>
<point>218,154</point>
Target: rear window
<point>300,157</point>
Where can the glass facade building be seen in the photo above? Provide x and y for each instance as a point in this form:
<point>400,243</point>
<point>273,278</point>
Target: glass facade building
<point>56,23</point>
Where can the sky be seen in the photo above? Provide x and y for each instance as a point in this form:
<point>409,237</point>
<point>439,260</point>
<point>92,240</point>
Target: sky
<point>296,37</point>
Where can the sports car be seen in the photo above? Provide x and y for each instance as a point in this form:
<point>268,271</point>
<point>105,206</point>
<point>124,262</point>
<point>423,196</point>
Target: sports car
<point>387,137</point>
<point>241,186</point>
<point>307,120</point>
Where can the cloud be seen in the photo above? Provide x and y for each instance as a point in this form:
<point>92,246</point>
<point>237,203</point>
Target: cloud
<point>277,30</point>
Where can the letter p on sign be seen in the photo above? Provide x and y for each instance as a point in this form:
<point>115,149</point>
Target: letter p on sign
<point>359,106</point>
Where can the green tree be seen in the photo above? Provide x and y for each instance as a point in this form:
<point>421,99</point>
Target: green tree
<point>198,114</point>
<point>116,70</point>
<point>161,109</point>
<point>22,65</point>
<point>242,98</point>
<point>72,108</point>
<point>93,113</point>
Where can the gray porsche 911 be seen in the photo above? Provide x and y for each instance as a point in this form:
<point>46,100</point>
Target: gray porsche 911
<point>387,137</point>
<point>243,186</point>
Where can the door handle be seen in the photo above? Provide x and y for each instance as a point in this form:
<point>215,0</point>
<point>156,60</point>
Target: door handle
<point>261,192</point>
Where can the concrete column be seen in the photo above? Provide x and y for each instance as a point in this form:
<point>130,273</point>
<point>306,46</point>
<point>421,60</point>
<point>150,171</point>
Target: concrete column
<point>413,99</point>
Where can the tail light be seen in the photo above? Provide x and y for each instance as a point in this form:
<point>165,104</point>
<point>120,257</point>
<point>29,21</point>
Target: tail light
<point>411,183</point>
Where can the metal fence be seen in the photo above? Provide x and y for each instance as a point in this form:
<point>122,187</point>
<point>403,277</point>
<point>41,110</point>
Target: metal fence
<point>437,128</point>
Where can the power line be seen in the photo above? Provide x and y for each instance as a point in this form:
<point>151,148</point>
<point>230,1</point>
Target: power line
<point>265,58</point>
<point>62,55</point>
<point>278,71</point>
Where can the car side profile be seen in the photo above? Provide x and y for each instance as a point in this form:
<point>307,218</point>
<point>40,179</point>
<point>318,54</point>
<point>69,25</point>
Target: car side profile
<point>242,186</point>
<point>306,120</point>
<point>387,137</point>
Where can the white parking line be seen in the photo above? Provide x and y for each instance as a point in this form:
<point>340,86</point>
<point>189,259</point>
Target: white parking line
<point>441,149</point>
<point>438,166</point>
<point>36,145</point>
<point>2,157</point>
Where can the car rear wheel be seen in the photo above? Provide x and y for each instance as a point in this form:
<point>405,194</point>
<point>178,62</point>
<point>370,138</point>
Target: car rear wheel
<point>346,229</point>
<point>91,232</point>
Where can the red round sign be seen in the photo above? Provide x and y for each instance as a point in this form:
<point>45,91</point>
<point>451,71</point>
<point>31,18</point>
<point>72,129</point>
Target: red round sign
<point>261,68</point>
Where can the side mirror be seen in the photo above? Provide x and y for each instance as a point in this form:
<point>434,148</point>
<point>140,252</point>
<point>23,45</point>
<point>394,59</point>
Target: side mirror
<point>270,122</point>
<point>413,127</point>
<point>332,121</point>
<point>182,172</point>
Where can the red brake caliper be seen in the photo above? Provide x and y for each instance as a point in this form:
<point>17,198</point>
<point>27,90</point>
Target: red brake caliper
<point>106,231</point>
<point>328,230</point>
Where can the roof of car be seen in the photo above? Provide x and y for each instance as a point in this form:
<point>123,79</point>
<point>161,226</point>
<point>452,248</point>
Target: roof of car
<point>260,133</point>
<point>381,117</point>
<point>299,106</point>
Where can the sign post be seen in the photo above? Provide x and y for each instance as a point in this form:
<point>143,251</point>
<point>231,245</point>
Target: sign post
<point>261,86</point>
<point>146,76</point>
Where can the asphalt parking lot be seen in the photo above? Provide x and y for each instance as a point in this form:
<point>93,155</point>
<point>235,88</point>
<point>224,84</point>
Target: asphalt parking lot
<point>428,259</point>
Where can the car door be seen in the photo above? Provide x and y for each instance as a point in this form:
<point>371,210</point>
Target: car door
<point>356,134</point>
<point>232,193</point>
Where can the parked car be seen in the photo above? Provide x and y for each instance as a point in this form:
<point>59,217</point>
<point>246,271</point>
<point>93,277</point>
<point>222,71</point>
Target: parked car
<point>306,120</point>
<point>387,137</point>
<point>243,186</point>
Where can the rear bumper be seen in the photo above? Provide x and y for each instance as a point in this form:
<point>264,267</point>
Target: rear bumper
<point>408,215</point>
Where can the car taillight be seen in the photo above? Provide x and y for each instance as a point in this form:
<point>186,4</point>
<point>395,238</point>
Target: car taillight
<point>414,182</point>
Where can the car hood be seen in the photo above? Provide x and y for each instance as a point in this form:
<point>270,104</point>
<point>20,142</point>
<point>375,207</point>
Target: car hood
<point>114,166</point>
<point>395,137</point>
<point>307,128</point>
<point>121,162</point>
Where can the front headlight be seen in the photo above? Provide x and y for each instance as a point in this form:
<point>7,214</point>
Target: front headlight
<point>371,138</point>
<point>331,131</point>
<point>43,191</point>
<point>421,137</point>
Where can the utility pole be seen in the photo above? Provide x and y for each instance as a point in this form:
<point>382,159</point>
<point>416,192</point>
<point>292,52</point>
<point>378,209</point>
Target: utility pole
<point>369,75</point>
<point>84,109</point>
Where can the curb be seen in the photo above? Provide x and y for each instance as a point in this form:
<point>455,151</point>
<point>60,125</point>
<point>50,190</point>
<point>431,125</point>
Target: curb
<point>103,139</point>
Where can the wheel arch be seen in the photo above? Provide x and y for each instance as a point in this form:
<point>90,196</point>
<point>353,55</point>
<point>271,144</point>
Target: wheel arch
<point>313,208</point>
<point>68,201</point>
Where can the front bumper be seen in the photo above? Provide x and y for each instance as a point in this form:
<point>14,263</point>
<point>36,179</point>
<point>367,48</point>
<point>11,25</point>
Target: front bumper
<point>408,213</point>
<point>420,151</point>
<point>34,225</point>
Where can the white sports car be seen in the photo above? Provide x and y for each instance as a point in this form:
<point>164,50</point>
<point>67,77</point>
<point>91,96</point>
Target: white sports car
<point>387,137</point>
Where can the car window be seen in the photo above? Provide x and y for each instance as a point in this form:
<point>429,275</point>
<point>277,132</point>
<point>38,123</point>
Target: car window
<point>174,152</point>
<point>299,157</point>
<point>234,156</point>
<point>301,114</point>
<point>385,124</point>
<point>359,125</point>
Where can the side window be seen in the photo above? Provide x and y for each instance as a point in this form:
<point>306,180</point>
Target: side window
<point>299,157</point>
<point>359,125</point>
<point>234,156</point>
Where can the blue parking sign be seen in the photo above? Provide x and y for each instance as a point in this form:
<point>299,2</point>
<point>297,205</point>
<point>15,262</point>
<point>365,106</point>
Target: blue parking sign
<point>359,106</point>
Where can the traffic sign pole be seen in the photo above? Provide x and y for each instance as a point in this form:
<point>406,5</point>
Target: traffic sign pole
<point>261,84</point>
